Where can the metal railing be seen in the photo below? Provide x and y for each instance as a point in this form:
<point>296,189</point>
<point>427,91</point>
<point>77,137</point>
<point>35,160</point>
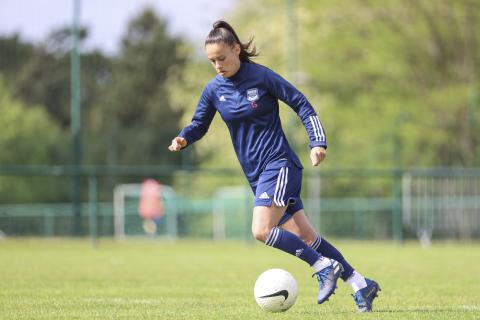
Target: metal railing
<point>356,203</point>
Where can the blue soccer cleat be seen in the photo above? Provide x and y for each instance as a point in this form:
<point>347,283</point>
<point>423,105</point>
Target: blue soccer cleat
<point>327,280</point>
<point>364,297</point>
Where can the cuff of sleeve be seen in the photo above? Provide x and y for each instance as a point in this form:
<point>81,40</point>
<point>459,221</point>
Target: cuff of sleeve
<point>314,144</point>
<point>183,135</point>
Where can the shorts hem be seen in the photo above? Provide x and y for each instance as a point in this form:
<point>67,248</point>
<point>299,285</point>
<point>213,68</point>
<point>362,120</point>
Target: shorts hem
<point>269,203</point>
<point>263,203</point>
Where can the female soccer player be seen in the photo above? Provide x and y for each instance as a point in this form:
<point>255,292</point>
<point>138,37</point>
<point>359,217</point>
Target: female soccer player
<point>246,96</point>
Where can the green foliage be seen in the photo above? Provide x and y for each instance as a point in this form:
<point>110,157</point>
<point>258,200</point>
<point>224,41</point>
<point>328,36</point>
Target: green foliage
<point>28,136</point>
<point>40,75</point>
<point>13,55</point>
<point>393,69</point>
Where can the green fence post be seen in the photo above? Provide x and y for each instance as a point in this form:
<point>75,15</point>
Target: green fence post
<point>75,126</point>
<point>93,205</point>
<point>397,178</point>
<point>397,206</point>
<point>48,223</point>
<point>171,212</point>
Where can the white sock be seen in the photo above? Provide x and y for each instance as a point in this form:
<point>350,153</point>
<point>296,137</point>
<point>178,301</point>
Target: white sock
<point>356,281</point>
<point>321,263</point>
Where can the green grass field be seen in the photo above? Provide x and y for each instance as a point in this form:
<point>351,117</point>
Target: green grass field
<point>142,279</point>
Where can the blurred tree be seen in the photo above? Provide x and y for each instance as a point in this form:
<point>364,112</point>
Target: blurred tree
<point>45,77</point>
<point>384,61</point>
<point>136,117</point>
<point>28,135</point>
<point>13,55</point>
<point>40,75</point>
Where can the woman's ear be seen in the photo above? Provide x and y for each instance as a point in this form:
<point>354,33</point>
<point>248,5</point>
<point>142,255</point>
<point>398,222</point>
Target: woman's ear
<point>236,49</point>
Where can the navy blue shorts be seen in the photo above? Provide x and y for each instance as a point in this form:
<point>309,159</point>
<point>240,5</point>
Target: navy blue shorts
<point>280,185</point>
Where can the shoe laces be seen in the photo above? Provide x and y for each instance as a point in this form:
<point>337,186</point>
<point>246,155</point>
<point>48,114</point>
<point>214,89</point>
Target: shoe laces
<point>322,276</point>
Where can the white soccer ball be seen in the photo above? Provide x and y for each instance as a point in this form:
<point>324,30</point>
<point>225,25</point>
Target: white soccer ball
<point>275,290</point>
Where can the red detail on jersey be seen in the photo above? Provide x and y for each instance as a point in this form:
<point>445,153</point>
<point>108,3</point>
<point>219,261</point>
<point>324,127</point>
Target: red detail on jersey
<point>254,104</point>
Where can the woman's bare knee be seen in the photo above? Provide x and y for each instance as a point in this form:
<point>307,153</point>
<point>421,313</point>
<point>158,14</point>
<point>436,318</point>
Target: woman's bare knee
<point>264,220</point>
<point>261,233</point>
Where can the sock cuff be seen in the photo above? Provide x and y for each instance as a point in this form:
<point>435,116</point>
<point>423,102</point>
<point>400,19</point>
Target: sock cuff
<point>321,263</point>
<point>351,275</point>
<point>316,243</point>
<point>273,236</point>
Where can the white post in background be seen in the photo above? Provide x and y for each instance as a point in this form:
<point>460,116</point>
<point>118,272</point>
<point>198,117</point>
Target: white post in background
<point>219,220</point>
<point>407,198</point>
<point>171,214</point>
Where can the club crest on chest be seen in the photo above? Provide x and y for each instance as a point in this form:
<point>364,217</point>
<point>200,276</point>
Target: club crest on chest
<point>252,94</point>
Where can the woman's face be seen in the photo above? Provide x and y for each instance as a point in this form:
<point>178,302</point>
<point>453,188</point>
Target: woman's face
<point>224,58</point>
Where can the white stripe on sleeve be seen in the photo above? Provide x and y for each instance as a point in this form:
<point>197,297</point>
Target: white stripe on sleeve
<point>314,127</point>
<point>320,129</point>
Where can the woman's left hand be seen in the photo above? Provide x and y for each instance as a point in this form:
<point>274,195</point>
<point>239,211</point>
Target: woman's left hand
<point>317,154</point>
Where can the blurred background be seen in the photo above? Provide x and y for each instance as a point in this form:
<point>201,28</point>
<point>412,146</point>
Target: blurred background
<point>92,92</point>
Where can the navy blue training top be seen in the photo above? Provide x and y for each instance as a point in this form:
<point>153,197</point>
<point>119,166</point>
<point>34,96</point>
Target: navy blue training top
<point>248,103</point>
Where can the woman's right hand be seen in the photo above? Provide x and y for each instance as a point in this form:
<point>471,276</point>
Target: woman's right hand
<point>177,144</point>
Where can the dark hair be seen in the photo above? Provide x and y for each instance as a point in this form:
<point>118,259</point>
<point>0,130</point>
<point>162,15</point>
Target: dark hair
<point>223,32</point>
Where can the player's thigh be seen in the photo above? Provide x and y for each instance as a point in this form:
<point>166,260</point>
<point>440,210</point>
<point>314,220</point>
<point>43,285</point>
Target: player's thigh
<point>264,219</point>
<point>300,225</point>
<point>278,186</point>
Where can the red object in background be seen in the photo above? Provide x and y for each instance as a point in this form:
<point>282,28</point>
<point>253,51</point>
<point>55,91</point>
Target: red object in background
<point>151,205</point>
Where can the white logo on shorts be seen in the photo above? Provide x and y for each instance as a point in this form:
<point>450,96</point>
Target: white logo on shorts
<point>264,196</point>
